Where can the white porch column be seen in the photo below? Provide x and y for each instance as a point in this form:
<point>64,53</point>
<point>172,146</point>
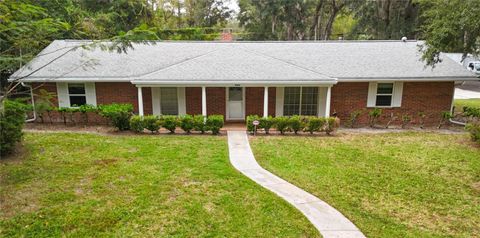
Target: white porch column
<point>265,103</point>
<point>204,101</point>
<point>140,101</point>
<point>327,101</point>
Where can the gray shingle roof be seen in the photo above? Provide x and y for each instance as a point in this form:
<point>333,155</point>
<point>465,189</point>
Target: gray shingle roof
<point>240,61</point>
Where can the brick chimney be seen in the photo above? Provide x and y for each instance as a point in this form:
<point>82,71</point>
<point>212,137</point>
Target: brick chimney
<point>227,34</point>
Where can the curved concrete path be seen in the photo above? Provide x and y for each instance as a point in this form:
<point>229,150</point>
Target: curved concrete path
<point>330,222</point>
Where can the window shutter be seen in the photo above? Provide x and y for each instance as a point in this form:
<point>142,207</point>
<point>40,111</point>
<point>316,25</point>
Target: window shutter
<point>372,94</point>
<point>91,94</point>
<point>279,101</point>
<point>156,100</point>
<point>62,95</point>
<point>397,94</point>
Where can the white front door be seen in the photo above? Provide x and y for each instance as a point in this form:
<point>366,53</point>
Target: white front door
<point>235,103</point>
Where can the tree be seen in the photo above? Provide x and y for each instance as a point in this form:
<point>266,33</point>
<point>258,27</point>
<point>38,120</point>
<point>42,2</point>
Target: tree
<point>385,19</point>
<point>450,26</point>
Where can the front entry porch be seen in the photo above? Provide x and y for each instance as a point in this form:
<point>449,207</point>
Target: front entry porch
<point>235,103</point>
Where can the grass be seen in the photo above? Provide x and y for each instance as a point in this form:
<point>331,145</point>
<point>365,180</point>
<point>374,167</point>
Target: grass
<point>85,185</point>
<point>460,103</point>
<point>409,184</point>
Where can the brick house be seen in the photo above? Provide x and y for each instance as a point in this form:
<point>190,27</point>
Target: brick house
<point>237,79</point>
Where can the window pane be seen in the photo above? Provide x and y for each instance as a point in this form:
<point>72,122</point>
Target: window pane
<point>76,88</point>
<point>235,94</point>
<point>309,101</point>
<point>385,88</point>
<point>291,103</point>
<point>76,101</point>
<point>169,101</point>
<point>384,100</point>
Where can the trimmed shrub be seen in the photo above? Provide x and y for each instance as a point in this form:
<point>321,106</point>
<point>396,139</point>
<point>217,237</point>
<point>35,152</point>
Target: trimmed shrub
<point>136,124</point>
<point>315,124</point>
<point>266,123</point>
<point>151,123</point>
<point>281,124</point>
<point>332,124</point>
<point>215,123</point>
<point>474,129</point>
<point>199,123</point>
<point>12,119</point>
<point>118,114</point>
<point>373,116</point>
<point>170,123</point>
<point>295,123</point>
<point>250,119</point>
<point>187,123</point>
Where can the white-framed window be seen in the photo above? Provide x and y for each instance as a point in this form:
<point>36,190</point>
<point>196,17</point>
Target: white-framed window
<point>300,101</point>
<point>168,101</point>
<point>384,96</point>
<point>77,94</point>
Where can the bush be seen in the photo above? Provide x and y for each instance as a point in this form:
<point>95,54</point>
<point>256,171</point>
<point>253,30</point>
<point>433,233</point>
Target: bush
<point>373,116</point>
<point>354,117</point>
<point>118,114</point>
<point>187,123</point>
<point>85,109</point>
<point>474,129</point>
<point>170,123</point>
<point>199,123</point>
<point>315,124</point>
<point>281,124</point>
<point>12,119</point>
<point>151,123</point>
<point>250,119</point>
<point>136,123</point>
<point>421,119</point>
<point>406,120</point>
<point>295,123</point>
<point>267,123</point>
<point>332,124</point>
<point>471,112</point>
<point>215,123</point>
<point>445,116</point>
<point>63,113</point>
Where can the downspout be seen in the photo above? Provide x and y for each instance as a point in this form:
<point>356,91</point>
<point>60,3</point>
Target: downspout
<point>452,109</point>
<point>33,103</point>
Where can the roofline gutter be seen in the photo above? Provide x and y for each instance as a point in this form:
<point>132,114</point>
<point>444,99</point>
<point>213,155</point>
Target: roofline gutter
<point>231,83</point>
<point>409,79</point>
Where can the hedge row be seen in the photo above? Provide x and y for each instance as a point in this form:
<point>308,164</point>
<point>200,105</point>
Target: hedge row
<point>12,119</point>
<point>188,123</point>
<point>295,124</point>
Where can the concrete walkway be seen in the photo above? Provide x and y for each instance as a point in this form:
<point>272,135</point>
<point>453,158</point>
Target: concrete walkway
<point>330,222</point>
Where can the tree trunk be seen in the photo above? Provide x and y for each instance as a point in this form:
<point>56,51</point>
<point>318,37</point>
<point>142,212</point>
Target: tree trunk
<point>316,18</point>
<point>335,10</point>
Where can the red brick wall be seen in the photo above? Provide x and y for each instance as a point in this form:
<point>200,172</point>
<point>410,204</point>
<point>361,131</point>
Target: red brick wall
<point>254,101</point>
<point>106,93</point>
<point>432,98</point>
<point>123,93</point>
<point>215,100</point>
<point>193,100</point>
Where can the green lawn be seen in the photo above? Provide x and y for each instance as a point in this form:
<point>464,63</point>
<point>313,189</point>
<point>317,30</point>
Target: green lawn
<point>460,103</point>
<point>390,185</point>
<point>81,185</point>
